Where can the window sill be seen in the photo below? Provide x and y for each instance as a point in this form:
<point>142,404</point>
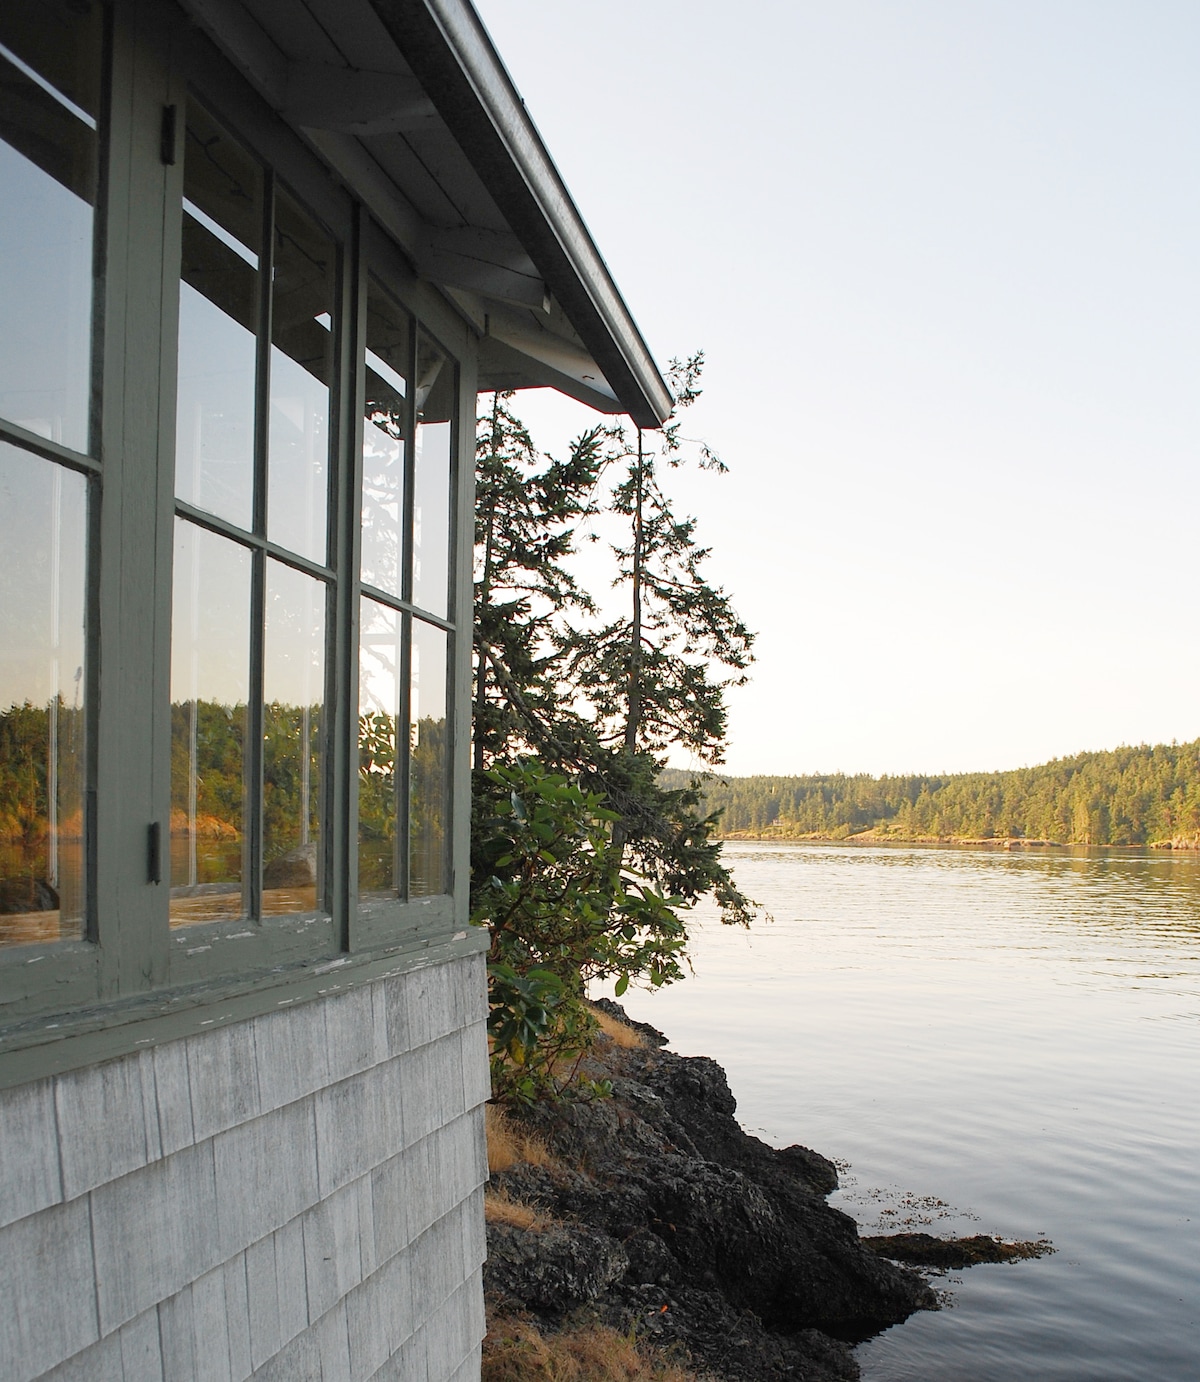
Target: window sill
<point>45,1046</point>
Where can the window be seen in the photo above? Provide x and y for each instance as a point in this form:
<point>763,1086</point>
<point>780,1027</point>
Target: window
<point>405,638</point>
<point>229,636</point>
<point>50,67</point>
<point>251,574</point>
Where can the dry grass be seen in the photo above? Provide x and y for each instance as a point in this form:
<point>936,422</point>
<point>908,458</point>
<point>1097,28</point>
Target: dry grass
<point>619,1033</point>
<point>509,1145</point>
<point>515,1351</point>
<point>499,1207</point>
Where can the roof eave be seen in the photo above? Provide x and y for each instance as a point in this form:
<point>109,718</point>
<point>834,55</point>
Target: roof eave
<point>452,55</point>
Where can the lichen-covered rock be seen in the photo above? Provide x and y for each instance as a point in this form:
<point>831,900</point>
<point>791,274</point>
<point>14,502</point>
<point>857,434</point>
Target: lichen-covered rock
<point>552,1270</point>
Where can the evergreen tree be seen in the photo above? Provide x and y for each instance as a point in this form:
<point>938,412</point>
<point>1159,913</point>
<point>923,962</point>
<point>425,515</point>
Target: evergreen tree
<point>581,857</point>
<point>654,673</point>
<point>527,508</point>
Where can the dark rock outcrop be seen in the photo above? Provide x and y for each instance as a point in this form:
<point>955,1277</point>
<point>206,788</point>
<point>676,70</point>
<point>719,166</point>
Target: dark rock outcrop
<point>553,1270</point>
<point>730,1344</point>
<point>733,1237</point>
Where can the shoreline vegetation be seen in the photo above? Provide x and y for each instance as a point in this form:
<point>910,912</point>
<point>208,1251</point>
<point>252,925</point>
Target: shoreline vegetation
<point>1146,796</point>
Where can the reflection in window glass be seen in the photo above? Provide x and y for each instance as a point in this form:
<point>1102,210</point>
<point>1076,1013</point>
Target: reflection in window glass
<point>429,770</point>
<point>384,428</point>
<point>379,680</point>
<point>436,391</point>
<point>218,317</point>
<point>294,695</point>
<point>210,684</point>
<point>42,721</point>
<point>49,99</point>
<point>301,359</point>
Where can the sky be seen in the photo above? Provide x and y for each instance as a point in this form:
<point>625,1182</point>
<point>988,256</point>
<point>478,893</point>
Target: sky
<point>944,262</point>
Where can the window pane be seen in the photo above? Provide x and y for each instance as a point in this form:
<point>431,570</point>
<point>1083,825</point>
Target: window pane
<point>436,395</point>
<point>379,681</point>
<point>218,321</point>
<point>43,535</point>
<point>210,685</point>
<point>294,692</point>
<point>49,99</point>
<point>301,363</point>
<point>384,430</point>
<point>429,770</point>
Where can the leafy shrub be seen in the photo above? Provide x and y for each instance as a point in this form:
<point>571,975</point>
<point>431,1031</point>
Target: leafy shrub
<point>562,910</point>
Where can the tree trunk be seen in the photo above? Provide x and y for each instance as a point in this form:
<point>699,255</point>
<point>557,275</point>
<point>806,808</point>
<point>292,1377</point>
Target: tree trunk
<point>633,716</point>
<point>483,600</point>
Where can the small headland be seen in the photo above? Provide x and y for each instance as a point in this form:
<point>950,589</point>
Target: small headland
<point>649,1230</point>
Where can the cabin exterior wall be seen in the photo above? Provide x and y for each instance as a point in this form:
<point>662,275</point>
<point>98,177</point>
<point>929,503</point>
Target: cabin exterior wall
<point>295,1196</point>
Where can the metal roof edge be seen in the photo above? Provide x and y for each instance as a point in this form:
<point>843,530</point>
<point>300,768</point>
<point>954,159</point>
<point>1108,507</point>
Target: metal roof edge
<point>451,53</point>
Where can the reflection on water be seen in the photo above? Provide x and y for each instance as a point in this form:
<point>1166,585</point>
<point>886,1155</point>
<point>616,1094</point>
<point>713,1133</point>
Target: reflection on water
<point>995,1042</point>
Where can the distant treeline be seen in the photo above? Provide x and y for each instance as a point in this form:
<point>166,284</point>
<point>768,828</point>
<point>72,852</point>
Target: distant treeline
<point>1129,796</point>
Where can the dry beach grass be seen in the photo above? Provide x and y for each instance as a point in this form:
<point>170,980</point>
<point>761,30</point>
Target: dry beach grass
<point>515,1350</point>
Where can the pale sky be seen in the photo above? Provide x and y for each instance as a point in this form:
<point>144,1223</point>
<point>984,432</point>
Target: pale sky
<point>944,260</point>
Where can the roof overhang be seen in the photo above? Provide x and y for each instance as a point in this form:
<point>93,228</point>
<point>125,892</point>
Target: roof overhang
<point>409,102</point>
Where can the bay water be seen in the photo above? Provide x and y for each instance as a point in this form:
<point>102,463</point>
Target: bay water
<point>985,1042</point>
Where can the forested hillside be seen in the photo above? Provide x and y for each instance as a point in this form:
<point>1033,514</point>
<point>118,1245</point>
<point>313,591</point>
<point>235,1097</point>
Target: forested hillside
<point>1129,796</point>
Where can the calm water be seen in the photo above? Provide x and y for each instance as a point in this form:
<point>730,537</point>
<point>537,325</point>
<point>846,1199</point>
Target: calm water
<point>987,1042</point>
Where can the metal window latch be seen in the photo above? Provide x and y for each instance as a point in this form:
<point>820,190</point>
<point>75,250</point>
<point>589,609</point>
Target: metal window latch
<point>169,149</point>
<point>154,853</point>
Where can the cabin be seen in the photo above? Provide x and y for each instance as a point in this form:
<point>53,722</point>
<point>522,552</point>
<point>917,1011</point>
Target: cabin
<point>257,258</point>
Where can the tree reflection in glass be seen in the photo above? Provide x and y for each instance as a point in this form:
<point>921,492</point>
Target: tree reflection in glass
<point>294,696</point>
<point>429,762</point>
<point>210,657</point>
<point>379,681</point>
<point>43,535</point>
<point>385,427</point>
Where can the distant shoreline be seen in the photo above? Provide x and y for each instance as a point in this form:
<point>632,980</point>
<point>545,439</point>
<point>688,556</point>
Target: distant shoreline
<point>1148,796</point>
<point>1188,844</point>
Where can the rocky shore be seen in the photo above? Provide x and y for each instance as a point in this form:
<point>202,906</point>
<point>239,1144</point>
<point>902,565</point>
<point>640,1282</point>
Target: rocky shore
<point>653,1212</point>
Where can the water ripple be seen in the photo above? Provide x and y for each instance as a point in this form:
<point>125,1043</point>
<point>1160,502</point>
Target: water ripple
<point>1016,1033</point>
